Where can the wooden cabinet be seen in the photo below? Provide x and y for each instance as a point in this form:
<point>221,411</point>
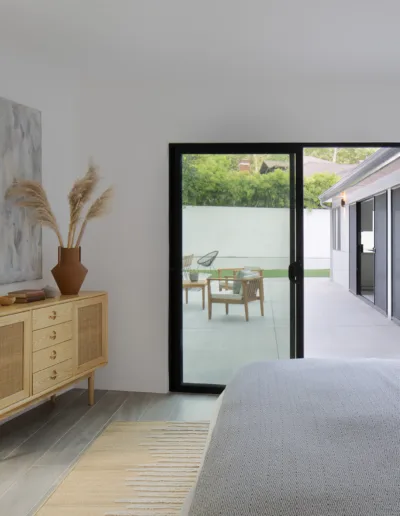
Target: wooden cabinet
<point>48,345</point>
<point>90,332</point>
<point>15,351</point>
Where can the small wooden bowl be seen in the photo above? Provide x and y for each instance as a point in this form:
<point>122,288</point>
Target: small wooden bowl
<point>7,300</point>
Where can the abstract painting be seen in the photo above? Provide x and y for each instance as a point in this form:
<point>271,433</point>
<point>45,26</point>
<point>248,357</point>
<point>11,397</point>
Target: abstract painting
<point>20,158</point>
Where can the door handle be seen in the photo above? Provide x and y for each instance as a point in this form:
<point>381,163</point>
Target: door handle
<point>292,272</point>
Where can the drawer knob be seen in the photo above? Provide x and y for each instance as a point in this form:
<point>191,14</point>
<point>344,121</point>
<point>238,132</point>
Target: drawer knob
<point>53,315</point>
<point>53,336</point>
<point>54,375</point>
<point>53,356</point>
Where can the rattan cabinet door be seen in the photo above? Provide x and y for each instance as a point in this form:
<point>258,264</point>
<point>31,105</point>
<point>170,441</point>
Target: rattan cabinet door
<point>15,358</point>
<point>90,332</point>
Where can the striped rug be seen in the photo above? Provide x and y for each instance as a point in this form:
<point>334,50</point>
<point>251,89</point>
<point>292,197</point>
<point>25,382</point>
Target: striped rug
<point>132,469</point>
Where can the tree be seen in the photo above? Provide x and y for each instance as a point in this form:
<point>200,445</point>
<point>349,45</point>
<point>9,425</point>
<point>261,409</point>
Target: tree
<point>215,180</point>
<point>314,186</point>
<point>344,155</point>
<point>351,155</point>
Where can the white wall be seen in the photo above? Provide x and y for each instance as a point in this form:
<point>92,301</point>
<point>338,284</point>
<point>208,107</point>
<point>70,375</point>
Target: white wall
<point>317,239</point>
<point>340,259</point>
<point>127,128</point>
<point>254,236</point>
<point>54,93</point>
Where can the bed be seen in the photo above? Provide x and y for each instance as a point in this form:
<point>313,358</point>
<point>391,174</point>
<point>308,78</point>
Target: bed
<point>304,437</point>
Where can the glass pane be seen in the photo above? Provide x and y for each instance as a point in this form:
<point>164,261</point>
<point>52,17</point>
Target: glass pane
<point>236,253</point>
<point>367,258</point>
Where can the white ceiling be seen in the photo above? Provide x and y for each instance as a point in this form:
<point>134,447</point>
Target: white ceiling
<point>202,39</point>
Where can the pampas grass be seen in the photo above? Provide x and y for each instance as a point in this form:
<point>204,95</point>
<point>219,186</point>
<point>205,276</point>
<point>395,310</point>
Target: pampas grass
<point>99,208</point>
<point>31,195</point>
<point>78,197</point>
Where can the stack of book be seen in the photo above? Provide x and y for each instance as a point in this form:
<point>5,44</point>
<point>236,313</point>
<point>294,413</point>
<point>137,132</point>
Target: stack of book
<point>28,296</point>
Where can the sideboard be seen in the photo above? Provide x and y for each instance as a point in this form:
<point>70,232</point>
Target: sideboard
<point>46,346</point>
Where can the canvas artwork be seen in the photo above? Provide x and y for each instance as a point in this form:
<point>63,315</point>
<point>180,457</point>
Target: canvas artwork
<point>20,157</point>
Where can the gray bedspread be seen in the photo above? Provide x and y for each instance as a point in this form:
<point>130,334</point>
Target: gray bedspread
<point>305,437</point>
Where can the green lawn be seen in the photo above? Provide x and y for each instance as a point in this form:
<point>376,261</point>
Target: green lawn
<point>308,273</point>
<point>282,273</point>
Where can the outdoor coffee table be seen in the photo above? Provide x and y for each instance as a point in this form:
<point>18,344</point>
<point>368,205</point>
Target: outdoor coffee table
<point>202,284</point>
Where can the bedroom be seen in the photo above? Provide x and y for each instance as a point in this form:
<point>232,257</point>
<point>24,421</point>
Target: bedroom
<point>118,81</point>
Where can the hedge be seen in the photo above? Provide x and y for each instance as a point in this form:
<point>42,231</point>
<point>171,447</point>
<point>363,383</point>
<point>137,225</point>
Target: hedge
<point>222,188</point>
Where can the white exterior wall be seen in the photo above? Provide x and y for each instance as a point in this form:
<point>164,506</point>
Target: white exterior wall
<point>340,259</point>
<point>254,236</point>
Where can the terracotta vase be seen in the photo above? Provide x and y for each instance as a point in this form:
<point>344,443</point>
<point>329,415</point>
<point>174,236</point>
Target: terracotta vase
<point>69,273</point>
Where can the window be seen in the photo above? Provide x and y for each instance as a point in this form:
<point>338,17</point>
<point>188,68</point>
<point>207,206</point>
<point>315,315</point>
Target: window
<point>336,229</point>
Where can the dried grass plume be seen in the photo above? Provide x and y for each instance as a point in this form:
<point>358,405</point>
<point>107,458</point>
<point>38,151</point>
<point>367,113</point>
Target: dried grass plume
<point>78,197</point>
<point>100,207</point>
<point>31,195</point>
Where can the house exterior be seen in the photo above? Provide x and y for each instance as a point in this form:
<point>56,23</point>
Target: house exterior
<point>365,231</point>
<point>313,165</point>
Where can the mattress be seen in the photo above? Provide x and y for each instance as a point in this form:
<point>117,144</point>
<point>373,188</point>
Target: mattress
<point>312,437</point>
<point>213,421</point>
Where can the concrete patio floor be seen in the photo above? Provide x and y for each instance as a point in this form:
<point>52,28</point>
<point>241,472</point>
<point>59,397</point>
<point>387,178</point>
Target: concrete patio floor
<point>337,324</point>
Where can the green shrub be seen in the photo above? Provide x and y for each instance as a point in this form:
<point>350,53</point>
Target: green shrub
<point>212,185</point>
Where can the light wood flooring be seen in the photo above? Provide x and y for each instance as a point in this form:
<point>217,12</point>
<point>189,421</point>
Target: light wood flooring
<point>38,448</point>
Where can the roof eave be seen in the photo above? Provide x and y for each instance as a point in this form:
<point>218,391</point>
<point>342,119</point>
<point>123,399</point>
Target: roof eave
<point>369,166</point>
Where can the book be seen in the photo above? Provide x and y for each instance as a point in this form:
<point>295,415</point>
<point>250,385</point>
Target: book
<point>26,293</point>
<point>30,299</point>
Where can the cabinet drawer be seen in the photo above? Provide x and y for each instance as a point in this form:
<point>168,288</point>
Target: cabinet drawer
<point>51,356</point>
<point>51,376</point>
<point>52,335</point>
<point>56,314</point>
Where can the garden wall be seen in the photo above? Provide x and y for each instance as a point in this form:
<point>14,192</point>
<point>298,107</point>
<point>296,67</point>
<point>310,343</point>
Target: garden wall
<point>254,236</point>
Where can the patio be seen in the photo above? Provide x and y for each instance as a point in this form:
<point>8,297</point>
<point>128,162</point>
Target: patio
<point>337,324</point>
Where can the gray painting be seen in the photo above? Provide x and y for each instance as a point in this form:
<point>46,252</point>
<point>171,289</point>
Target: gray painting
<point>21,158</point>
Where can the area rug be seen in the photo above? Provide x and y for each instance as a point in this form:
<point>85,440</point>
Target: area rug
<point>132,469</point>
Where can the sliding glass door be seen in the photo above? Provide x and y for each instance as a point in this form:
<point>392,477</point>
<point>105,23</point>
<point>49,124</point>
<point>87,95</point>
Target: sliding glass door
<point>236,274</point>
<point>368,243</point>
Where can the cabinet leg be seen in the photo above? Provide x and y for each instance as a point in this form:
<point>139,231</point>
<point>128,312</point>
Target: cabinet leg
<point>91,389</point>
<point>53,399</point>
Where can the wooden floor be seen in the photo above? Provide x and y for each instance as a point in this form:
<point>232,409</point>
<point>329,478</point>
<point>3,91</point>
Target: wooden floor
<point>38,448</point>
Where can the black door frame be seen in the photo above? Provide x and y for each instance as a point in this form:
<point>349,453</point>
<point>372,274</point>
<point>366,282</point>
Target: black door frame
<point>175,240</point>
<point>175,213</point>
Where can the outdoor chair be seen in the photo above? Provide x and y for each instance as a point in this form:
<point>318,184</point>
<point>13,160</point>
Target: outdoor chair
<point>245,290</point>
<point>227,283</point>
<point>207,260</point>
<point>187,261</point>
